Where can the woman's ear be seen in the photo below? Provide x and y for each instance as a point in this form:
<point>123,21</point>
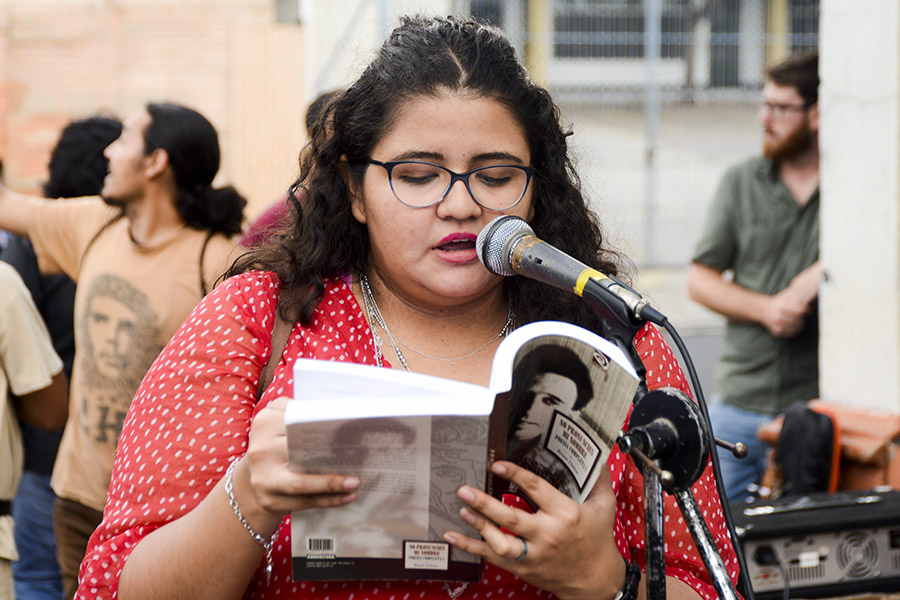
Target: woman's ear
<point>357,204</point>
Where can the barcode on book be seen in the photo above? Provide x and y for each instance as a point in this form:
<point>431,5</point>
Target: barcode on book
<point>319,545</point>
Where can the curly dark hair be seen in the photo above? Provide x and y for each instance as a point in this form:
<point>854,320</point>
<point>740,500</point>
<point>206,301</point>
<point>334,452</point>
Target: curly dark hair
<point>77,165</point>
<point>192,144</point>
<point>426,57</point>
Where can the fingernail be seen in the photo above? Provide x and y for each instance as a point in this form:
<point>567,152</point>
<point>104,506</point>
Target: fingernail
<point>498,469</point>
<point>351,483</point>
<point>348,498</point>
<point>465,494</point>
<point>467,515</point>
<point>449,539</point>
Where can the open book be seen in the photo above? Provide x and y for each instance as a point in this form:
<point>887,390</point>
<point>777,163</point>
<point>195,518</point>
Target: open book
<point>557,398</point>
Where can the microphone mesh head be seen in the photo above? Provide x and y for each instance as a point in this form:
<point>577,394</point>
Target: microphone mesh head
<point>493,238</point>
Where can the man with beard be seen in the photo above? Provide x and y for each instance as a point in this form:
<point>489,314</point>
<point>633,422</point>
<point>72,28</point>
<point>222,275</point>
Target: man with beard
<point>142,255</point>
<point>757,263</point>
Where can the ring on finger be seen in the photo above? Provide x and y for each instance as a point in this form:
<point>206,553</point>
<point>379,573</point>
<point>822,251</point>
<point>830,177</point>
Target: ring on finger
<point>524,551</point>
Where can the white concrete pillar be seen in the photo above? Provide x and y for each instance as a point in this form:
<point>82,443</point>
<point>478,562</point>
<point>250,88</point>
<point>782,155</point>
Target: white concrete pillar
<point>859,100</point>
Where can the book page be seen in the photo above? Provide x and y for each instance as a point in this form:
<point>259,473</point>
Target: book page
<point>319,379</point>
<point>359,407</point>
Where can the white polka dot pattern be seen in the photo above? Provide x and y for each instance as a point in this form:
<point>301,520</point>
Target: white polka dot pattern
<point>191,418</point>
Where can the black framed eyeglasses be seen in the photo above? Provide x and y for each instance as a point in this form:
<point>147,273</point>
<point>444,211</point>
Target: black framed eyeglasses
<point>778,111</point>
<point>420,184</point>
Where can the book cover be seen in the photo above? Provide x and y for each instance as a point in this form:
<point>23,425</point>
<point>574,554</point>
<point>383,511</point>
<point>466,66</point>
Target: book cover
<point>556,401</point>
<point>569,391</point>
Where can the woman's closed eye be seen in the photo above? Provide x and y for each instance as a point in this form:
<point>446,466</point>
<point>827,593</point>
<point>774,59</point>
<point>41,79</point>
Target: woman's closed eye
<point>493,180</point>
<point>417,180</point>
<point>415,175</point>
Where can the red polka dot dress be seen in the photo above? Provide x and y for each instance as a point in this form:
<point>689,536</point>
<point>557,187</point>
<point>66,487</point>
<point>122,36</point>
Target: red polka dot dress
<point>191,418</point>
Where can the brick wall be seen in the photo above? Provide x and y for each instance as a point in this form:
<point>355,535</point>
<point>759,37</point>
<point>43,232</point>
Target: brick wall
<point>226,58</point>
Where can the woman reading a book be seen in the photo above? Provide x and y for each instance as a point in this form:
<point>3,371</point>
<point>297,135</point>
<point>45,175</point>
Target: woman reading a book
<point>443,132</point>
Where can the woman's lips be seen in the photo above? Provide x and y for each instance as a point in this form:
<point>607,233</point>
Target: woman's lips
<point>457,248</point>
<point>457,245</point>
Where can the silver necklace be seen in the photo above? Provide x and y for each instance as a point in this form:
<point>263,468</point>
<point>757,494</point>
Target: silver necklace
<point>374,314</point>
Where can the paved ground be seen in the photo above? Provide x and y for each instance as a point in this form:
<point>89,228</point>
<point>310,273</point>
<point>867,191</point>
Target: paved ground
<point>700,328</point>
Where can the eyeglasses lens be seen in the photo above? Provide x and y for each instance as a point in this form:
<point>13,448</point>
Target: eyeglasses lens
<point>421,184</point>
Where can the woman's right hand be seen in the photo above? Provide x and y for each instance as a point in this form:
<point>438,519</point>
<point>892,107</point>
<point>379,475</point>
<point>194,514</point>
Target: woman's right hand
<point>267,489</point>
<point>565,548</point>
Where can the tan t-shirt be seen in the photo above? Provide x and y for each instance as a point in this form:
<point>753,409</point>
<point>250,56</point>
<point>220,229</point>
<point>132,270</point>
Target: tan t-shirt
<point>129,302</point>
<point>28,363</point>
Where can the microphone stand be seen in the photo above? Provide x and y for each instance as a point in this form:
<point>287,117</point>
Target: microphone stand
<point>669,438</point>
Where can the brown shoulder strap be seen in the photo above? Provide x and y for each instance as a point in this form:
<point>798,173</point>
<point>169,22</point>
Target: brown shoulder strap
<point>280,334</point>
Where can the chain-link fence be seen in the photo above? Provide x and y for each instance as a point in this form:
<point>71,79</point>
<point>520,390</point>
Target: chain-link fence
<point>662,97</point>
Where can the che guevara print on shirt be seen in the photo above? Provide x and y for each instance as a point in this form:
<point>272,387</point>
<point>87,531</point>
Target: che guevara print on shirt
<point>120,332</point>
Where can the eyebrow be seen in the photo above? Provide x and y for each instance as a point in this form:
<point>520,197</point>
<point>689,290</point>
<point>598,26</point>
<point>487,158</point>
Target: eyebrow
<point>437,156</point>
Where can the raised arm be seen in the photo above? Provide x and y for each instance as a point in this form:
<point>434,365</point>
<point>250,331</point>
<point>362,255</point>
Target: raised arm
<point>782,314</point>
<point>16,211</point>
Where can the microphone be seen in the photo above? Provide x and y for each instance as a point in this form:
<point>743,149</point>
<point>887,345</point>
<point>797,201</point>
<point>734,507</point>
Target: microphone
<point>507,246</point>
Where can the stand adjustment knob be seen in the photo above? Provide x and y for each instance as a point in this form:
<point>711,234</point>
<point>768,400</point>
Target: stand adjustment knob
<point>739,449</point>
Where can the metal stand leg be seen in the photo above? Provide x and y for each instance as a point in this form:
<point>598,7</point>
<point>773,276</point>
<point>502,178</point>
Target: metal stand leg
<point>700,532</point>
<point>669,440</point>
<point>654,536</point>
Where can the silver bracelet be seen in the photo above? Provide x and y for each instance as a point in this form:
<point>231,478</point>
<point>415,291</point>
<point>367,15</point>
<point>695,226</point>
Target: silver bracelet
<point>267,544</point>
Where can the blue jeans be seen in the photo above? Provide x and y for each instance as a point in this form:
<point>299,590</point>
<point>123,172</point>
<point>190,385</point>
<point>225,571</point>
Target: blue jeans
<point>36,573</point>
<point>732,424</point>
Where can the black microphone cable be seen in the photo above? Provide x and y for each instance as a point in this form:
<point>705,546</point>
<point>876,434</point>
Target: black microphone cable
<point>694,380</point>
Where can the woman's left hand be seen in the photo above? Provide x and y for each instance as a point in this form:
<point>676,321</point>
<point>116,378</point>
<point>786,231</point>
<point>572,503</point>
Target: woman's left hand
<point>570,547</point>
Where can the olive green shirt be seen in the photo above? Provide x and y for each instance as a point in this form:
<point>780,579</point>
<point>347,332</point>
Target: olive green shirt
<point>756,229</point>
